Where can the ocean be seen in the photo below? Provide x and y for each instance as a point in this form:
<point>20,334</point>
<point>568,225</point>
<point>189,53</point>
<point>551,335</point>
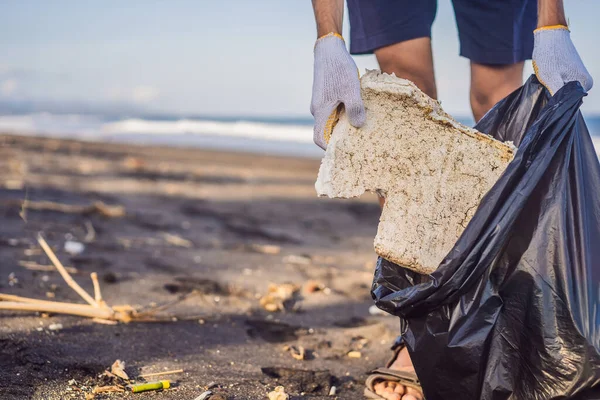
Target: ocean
<point>278,136</point>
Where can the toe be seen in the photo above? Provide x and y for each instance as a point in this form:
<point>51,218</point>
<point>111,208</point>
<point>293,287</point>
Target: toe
<point>399,389</point>
<point>379,387</point>
<point>416,394</point>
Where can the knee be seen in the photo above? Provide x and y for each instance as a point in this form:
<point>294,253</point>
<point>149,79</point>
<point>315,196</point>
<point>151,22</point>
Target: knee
<point>490,84</point>
<point>483,100</point>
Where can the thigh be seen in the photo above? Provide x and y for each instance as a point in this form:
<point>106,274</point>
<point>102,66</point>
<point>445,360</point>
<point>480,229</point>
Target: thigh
<point>379,23</point>
<point>412,60</point>
<point>498,32</point>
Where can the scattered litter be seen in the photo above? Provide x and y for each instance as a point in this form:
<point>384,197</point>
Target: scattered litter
<point>278,394</point>
<point>354,354</point>
<point>204,395</point>
<point>313,286</point>
<point>297,352</point>
<point>176,240</point>
<point>175,371</point>
<point>72,382</point>
<point>279,297</point>
<point>74,248</point>
<point>90,235</point>
<point>118,368</point>
<point>12,279</point>
<point>55,327</point>
<point>96,308</point>
<point>332,391</point>
<point>144,387</point>
<point>294,259</point>
<point>374,310</point>
<point>264,248</point>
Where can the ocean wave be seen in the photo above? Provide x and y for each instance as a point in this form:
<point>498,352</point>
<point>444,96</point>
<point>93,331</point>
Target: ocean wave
<point>199,132</point>
<point>75,125</point>
<point>255,130</point>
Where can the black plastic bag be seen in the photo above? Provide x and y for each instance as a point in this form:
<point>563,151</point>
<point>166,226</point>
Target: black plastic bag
<point>513,311</point>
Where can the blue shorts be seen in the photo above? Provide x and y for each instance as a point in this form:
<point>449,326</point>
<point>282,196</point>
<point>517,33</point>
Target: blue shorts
<point>490,31</point>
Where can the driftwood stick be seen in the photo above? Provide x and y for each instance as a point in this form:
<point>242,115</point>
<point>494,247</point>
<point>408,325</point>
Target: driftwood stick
<point>33,266</point>
<point>97,292</point>
<point>66,276</point>
<point>175,371</point>
<point>19,299</point>
<point>81,310</point>
<point>96,207</point>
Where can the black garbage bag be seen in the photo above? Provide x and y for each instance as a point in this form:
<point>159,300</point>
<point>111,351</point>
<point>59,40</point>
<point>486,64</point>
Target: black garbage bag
<point>513,311</point>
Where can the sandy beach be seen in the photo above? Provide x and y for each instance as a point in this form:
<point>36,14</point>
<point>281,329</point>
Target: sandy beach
<point>211,229</point>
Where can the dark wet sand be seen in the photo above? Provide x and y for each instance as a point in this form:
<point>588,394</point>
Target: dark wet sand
<point>223,204</point>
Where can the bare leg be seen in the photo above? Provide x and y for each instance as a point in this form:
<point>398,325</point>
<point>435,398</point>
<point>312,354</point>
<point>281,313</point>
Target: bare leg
<point>412,60</point>
<point>491,83</point>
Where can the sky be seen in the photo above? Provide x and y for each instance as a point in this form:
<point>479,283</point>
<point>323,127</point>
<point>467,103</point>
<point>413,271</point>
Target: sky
<point>225,58</point>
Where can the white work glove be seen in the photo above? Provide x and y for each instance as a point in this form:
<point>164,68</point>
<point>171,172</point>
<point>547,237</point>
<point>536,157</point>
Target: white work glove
<point>335,82</point>
<point>556,61</point>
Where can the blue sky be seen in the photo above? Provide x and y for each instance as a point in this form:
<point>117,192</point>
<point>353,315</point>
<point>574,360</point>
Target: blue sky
<point>235,57</point>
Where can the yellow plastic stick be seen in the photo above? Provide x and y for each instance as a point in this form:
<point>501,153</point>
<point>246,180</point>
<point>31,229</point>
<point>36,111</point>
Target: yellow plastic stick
<point>143,387</point>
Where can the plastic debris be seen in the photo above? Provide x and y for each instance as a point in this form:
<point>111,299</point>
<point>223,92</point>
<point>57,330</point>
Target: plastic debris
<point>118,368</point>
<point>144,387</point>
<point>278,394</point>
<point>354,354</point>
<point>278,297</point>
<point>74,248</point>
<point>297,352</point>
<point>204,395</point>
<point>55,327</point>
<point>12,279</point>
<point>313,286</point>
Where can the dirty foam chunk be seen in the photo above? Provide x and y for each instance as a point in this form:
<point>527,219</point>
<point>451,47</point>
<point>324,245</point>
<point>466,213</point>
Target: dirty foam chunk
<point>432,170</point>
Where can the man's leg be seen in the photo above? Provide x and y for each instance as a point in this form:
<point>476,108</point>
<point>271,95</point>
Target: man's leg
<point>492,83</point>
<point>398,32</point>
<point>412,60</point>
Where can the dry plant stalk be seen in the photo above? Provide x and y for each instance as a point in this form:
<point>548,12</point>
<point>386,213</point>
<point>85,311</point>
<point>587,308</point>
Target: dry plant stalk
<point>175,371</point>
<point>97,309</point>
<point>33,266</point>
<point>96,207</point>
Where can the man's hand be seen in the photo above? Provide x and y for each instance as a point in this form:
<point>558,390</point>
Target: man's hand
<point>336,82</point>
<point>556,61</point>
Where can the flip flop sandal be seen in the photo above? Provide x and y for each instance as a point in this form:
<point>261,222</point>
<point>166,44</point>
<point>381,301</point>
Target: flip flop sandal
<point>405,378</point>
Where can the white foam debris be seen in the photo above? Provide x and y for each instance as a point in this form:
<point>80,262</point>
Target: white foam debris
<point>433,170</point>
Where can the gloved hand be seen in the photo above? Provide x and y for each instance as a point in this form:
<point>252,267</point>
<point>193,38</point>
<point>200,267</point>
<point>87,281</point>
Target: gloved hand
<point>556,61</point>
<point>335,81</point>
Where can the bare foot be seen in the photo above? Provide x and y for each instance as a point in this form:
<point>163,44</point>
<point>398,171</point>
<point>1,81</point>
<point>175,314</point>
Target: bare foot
<point>395,391</point>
